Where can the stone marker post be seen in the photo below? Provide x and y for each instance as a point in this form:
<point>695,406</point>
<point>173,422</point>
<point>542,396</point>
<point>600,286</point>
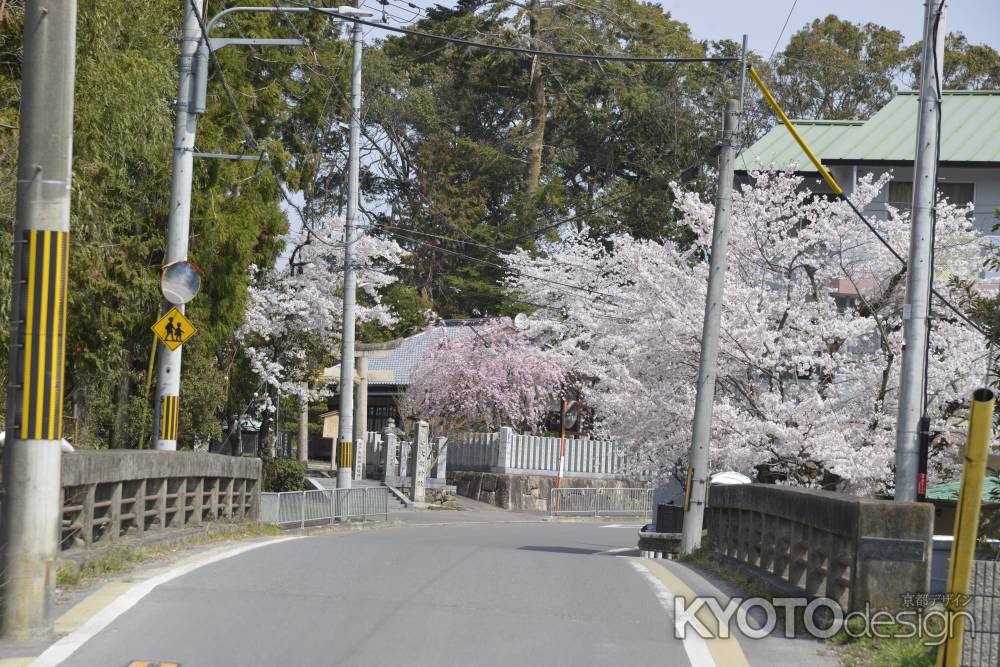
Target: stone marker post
<point>420,451</point>
<point>441,463</point>
<point>389,453</point>
<point>505,453</point>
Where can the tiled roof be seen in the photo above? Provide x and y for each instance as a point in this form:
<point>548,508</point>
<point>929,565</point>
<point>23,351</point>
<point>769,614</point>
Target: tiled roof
<point>396,366</point>
<point>970,133</point>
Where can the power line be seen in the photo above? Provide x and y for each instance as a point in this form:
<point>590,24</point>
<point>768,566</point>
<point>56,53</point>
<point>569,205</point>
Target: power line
<point>782,33</point>
<point>516,49</point>
<point>509,269</point>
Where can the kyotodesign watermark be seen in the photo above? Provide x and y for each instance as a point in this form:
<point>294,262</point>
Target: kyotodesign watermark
<point>822,618</point>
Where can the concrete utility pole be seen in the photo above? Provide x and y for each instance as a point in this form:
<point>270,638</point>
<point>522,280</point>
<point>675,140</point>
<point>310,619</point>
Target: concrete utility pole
<point>919,274</point>
<point>31,511</point>
<point>701,431</point>
<point>168,370</point>
<point>345,430</point>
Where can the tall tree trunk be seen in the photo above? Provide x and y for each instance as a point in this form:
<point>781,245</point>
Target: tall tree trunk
<point>536,143</point>
<point>119,431</point>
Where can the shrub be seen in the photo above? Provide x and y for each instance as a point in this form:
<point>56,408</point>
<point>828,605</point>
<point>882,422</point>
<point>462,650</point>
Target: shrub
<point>282,475</point>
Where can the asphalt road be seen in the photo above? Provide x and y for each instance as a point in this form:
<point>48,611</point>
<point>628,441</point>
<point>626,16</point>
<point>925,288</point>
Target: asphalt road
<point>460,594</point>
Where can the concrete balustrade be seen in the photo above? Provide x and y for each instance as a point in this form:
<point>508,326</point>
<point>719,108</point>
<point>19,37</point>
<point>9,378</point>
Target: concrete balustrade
<point>850,549</point>
<point>107,495</point>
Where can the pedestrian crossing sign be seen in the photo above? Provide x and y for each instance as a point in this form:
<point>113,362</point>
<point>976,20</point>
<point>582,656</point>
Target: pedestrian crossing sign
<point>174,329</point>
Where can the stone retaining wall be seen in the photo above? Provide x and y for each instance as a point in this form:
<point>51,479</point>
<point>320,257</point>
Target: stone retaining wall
<point>524,493</point>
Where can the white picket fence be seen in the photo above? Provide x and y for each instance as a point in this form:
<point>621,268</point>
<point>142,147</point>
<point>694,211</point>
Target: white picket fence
<point>523,454</point>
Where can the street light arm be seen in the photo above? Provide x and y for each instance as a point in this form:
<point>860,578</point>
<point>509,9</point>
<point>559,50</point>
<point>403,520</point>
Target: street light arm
<point>207,44</point>
<point>246,10</point>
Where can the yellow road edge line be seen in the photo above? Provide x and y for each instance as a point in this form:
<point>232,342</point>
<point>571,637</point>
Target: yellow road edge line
<point>726,651</point>
<point>81,612</point>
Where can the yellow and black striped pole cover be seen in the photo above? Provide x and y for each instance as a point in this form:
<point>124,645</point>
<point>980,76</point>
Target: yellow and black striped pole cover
<point>44,261</point>
<point>346,453</point>
<point>168,417</point>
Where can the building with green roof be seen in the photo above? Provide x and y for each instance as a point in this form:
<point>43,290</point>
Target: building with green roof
<point>969,167</point>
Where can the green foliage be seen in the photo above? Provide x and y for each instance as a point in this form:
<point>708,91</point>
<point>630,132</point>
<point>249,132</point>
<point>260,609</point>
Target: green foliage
<point>834,69</point>
<point>104,563</point>
<point>869,651</point>
<point>282,475</point>
<point>454,126</point>
<point>966,66</point>
<point>448,139</point>
<point>126,79</point>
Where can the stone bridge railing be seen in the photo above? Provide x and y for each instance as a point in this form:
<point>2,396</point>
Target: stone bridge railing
<point>109,494</point>
<point>851,549</point>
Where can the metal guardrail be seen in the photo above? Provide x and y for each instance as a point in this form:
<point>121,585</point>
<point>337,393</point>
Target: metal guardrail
<point>314,508</point>
<point>601,502</point>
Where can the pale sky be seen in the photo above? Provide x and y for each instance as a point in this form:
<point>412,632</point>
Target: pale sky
<point>761,20</point>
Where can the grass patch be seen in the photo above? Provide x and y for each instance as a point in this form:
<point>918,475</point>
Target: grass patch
<point>749,585</point>
<point>869,651</point>
<point>116,560</point>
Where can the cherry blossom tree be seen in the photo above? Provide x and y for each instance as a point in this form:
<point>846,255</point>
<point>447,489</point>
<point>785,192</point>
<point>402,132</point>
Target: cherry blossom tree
<point>492,379</point>
<point>293,315</point>
<point>811,333</point>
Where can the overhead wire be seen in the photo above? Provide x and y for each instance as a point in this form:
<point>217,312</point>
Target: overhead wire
<point>452,40</point>
<point>478,260</point>
<point>241,120</point>
<point>783,27</point>
<point>839,192</point>
<point>516,49</point>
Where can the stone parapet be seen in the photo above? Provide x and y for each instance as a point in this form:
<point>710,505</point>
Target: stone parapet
<point>109,494</point>
<point>853,550</point>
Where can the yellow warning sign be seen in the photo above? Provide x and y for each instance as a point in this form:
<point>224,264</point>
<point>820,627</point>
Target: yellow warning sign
<point>174,329</point>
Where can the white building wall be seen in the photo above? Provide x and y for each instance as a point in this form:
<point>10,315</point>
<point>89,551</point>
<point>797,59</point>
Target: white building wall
<point>986,196</point>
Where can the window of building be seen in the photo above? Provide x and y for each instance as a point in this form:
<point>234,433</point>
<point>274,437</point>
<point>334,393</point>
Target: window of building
<point>960,194</point>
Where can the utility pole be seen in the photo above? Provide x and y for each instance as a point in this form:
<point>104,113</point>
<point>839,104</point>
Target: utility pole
<point>32,451</point>
<point>919,269</point>
<point>701,431</point>
<point>168,370</point>
<point>345,432</point>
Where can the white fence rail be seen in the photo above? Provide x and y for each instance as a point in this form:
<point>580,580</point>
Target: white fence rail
<point>514,453</point>
<point>601,502</point>
<point>313,508</point>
